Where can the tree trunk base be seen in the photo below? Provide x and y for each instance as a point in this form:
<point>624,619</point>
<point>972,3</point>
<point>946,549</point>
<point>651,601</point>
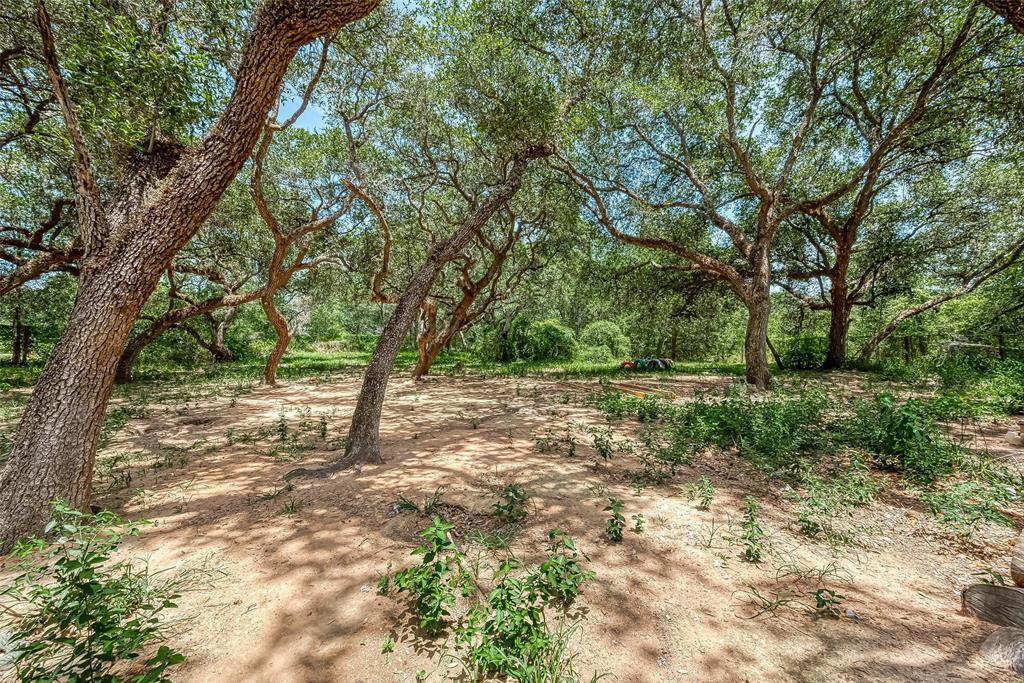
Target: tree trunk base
<point>346,462</point>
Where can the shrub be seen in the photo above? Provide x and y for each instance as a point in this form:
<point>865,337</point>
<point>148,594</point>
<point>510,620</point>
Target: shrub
<point>773,431</point>
<point>510,634</point>
<point>902,437</point>
<point>595,354</point>
<point>607,334</point>
<point>518,630</point>
<point>436,581</point>
<point>74,616</point>
<point>525,340</point>
<point>805,352</point>
<point>550,340</point>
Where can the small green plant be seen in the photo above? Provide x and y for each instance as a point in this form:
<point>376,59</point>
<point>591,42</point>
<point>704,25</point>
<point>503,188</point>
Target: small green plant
<point>430,503</point>
<point>499,539</point>
<point>291,506</point>
<point>322,427</point>
<point>602,443</point>
<point>436,581</point>
<point>570,444</point>
<point>281,427</point>
<point>638,523</point>
<point>510,633</point>
<point>560,576</point>
<point>277,493</point>
<point>753,535</point>
<point>616,522</point>
<point>511,508</point>
<point>388,645</point>
<point>474,422</point>
<point>546,442</point>
<point>827,603</point>
<point>990,576</point>
<point>75,615</point>
<point>702,491</point>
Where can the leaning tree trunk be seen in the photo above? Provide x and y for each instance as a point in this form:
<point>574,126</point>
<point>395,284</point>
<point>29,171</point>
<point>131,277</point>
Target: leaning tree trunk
<point>282,335</point>
<point>884,333</point>
<point>53,452</point>
<point>364,434</point>
<point>755,345</point>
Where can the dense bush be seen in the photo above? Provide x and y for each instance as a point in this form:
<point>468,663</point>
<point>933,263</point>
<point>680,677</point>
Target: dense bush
<point>607,334</point>
<point>772,430</point>
<point>903,437</point>
<point>989,385</point>
<point>550,340</point>
<point>525,340</point>
<point>595,354</point>
<point>72,615</point>
<point>805,352</point>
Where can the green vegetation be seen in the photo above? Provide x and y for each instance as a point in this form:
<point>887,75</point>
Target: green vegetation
<point>616,522</point>
<point>73,614</point>
<point>519,628</point>
<point>775,247</point>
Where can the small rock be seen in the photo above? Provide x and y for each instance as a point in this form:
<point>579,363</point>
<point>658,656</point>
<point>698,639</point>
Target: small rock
<point>850,614</point>
<point>1005,648</point>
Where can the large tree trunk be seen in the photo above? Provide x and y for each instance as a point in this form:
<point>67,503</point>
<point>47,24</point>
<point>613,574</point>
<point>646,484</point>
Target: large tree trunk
<point>839,322</point>
<point>26,342</point>
<point>364,434</point>
<point>755,345</point>
<point>427,343</point>
<point>53,452</point>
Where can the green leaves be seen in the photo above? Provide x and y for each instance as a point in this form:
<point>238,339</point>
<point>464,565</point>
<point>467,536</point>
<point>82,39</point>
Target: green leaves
<point>78,617</point>
<point>515,630</point>
<point>616,522</point>
<point>436,581</point>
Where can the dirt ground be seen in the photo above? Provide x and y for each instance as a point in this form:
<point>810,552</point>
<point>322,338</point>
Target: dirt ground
<point>288,587</point>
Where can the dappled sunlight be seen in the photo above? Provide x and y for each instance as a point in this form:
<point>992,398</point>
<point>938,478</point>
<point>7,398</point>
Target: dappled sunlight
<point>293,590</point>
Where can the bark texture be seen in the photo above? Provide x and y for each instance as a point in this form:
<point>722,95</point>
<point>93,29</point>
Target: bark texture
<point>755,345</point>
<point>54,448</point>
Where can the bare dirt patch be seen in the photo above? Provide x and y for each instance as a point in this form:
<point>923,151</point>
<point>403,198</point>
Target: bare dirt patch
<point>294,596</point>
